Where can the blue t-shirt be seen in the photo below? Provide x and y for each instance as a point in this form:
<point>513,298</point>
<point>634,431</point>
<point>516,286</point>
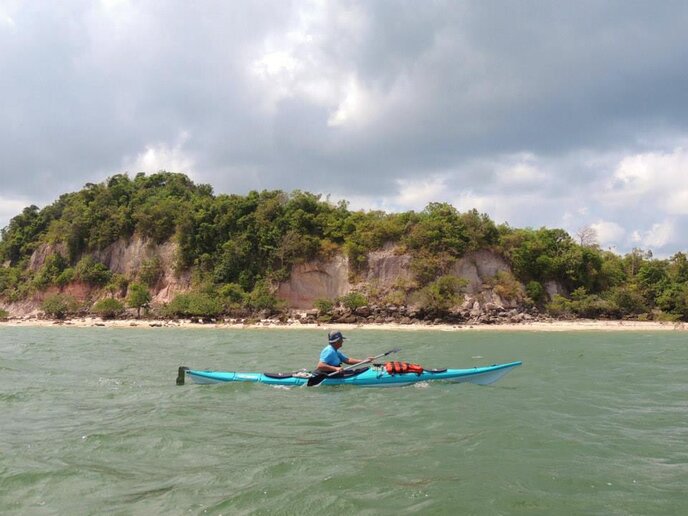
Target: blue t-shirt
<point>331,356</point>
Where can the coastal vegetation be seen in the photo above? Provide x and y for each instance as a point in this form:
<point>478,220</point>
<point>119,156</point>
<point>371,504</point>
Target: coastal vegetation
<point>237,248</point>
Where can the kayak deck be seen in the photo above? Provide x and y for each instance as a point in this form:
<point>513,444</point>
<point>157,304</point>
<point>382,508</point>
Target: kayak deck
<point>375,376</point>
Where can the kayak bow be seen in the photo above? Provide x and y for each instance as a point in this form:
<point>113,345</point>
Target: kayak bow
<point>375,376</point>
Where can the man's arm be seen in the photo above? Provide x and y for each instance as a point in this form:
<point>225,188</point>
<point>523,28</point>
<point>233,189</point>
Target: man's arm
<point>352,361</point>
<point>322,366</point>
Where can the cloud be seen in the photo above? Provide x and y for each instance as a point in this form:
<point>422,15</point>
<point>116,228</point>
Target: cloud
<point>562,114</point>
<point>163,157</point>
<point>609,234</point>
<point>660,235</point>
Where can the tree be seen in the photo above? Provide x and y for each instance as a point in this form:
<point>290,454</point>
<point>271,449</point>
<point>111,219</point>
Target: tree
<point>587,236</point>
<point>139,297</point>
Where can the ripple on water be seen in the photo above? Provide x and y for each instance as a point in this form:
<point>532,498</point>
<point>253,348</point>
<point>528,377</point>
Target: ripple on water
<point>592,423</point>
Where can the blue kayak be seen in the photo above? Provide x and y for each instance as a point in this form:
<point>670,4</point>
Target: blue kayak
<point>375,376</point>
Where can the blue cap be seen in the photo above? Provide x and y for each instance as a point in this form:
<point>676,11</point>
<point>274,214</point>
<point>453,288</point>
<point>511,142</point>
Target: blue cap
<point>335,336</point>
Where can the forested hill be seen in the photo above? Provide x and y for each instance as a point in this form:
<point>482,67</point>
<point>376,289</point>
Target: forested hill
<point>238,247</point>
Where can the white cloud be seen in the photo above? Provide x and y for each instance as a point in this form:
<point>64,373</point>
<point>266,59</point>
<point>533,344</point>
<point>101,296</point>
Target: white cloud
<point>609,234</point>
<point>163,157</point>
<point>520,170</point>
<point>660,235</point>
<point>651,177</point>
<point>354,106</point>
<point>416,194</point>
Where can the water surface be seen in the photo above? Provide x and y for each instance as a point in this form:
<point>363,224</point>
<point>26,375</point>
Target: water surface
<point>92,422</point>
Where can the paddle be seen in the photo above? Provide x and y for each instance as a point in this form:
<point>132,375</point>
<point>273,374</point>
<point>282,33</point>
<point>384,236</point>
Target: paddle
<point>319,378</point>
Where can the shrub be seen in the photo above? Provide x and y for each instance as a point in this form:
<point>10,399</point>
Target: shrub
<point>507,286</point>
<point>628,300</point>
<point>51,270</point>
<point>443,293</point>
<point>4,314</point>
<point>194,304</point>
<point>65,277</point>
<point>92,272</point>
<point>582,305</point>
<point>353,300</point>
<point>59,305</point>
<point>427,267</point>
<point>536,292</point>
<point>261,298</point>
<point>324,306</point>
<point>138,297</point>
<point>118,285</point>
<point>108,308</point>
<point>232,295</point>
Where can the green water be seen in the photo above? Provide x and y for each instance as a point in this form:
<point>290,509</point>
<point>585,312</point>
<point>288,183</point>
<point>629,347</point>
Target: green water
<point>92,422</point>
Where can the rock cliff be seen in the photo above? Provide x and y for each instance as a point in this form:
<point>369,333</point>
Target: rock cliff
<point>387,269</point>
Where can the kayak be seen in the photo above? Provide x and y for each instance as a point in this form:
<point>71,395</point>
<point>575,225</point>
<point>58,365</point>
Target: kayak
<point>375,376</point>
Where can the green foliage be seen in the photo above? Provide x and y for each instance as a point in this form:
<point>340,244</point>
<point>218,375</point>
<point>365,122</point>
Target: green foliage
<point>506,286</point>
<point>151,272</point>
<point>194,304</point>
<point>629,300</point>
<point>674,300</point>
<point>138,296</point>
<point>52,268</point>
<point>443,293</point>
<point>353,300</point>
<point>262,298</point>
<point>10,280</point>
<point>108,308</point>
<point>536,292</point>
<point>427,266</point>
<point>65,277</point>
<point>324,306</point>
<point>252,241</point>
<point>440,228</point>
<point>117,285</point>
<point>232,295</point>
<point>92,272</point>
<point>4,314</point>
<point>59,305</point>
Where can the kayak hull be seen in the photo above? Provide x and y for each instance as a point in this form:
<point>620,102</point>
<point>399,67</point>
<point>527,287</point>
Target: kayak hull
<point>369,377</point>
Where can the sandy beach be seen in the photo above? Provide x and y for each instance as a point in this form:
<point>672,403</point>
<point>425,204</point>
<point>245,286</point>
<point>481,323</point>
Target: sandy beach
<point>539,326</point>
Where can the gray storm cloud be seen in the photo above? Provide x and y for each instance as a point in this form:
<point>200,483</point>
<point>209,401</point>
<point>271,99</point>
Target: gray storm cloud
<point>559,114</point>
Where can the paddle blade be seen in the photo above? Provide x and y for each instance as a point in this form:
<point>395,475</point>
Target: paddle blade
<point>315,380</point>
<point>181,375</point>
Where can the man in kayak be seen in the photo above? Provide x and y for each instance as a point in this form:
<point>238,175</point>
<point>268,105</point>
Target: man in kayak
<point>331,359</point>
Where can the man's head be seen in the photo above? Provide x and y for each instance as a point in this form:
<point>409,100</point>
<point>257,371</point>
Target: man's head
<point>336,338</point>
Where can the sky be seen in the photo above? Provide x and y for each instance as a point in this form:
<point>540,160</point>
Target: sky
<point>558,114</point>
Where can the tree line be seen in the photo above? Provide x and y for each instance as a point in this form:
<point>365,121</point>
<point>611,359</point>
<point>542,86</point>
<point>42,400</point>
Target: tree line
<point>239,246</point>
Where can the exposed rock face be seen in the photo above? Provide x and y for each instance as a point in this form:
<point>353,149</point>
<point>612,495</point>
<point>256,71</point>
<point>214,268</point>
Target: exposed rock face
<point>316,280</point>
<point>41,254</point>
<point>127,257</point>
<point>122,257</point>
<point>553,288</point>
<point>386,268</point>
<point>477,267</point>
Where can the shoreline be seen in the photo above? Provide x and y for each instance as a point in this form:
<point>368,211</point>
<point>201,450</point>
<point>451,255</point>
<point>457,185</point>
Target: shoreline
<point>529,326</point>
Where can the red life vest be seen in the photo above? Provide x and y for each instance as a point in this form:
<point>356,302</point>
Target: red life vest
<point>403,368</point>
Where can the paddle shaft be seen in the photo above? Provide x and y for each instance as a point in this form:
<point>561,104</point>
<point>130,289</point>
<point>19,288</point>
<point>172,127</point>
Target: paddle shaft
<point>366,361</point>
